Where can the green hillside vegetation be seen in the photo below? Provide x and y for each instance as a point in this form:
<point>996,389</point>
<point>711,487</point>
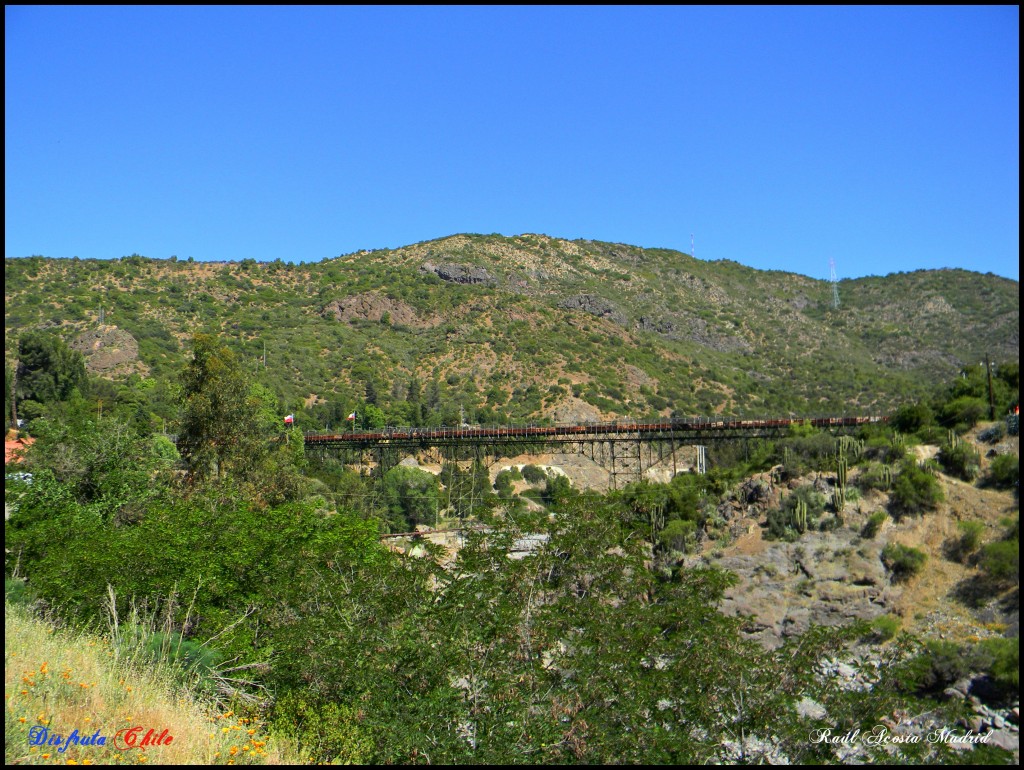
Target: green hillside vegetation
<point>492,329</point>
<point>594,645</point>
<point>565,627</point>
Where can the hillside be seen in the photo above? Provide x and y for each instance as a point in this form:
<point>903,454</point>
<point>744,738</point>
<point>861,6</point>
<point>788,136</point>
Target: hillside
<point>832,577</point>
<point>489,328</point>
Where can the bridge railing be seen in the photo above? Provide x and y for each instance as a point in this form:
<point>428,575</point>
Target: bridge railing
<point>620,425</point>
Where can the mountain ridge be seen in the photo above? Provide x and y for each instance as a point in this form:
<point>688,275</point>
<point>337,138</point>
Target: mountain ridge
<point>517,327</point>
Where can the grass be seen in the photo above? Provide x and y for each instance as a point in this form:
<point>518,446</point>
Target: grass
<point>64,680</point>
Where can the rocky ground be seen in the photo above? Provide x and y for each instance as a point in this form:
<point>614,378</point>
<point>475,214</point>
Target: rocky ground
<point>832,578</point>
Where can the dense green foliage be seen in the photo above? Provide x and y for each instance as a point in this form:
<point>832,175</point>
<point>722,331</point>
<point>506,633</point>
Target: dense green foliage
<point>914,490</point>
<point>48,371</point>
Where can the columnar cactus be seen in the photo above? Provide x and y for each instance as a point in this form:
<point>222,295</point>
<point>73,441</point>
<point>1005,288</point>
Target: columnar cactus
<point>842,469</point>
<point>849,446</point>
<point>800,516</point>
<point>887,476</point>
<point>839,499</point>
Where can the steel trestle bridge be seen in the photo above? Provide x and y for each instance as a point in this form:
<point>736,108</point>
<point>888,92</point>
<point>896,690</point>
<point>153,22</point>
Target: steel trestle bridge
<point>618,446</point>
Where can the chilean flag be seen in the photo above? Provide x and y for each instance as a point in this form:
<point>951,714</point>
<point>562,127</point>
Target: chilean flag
<point>351,416</point>
<point>289,419</point>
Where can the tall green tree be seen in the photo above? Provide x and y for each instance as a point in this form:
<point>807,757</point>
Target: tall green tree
<point>411,497</point>
<point>48,371</point>
<point>220,420</point>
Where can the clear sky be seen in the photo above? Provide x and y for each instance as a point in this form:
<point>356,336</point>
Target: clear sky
<point>886,138</point>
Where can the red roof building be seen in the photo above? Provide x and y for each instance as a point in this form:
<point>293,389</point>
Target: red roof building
<point>13,448</point>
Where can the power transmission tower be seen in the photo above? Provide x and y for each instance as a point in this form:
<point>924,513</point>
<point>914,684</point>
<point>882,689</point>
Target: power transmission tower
<point>835,283</point>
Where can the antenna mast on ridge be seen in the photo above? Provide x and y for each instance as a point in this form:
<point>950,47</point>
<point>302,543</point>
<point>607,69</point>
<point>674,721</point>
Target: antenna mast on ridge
<point>835,283</point>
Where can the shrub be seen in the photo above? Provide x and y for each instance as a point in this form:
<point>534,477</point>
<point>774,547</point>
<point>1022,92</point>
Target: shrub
<point>326,732</point>
<point>534,475</point>
<point>875,476</point>
<point>503,484</point>
<point>1000,561</point>
<point>885,627</point>
<point>874,524</point>
<point>1005,665</point>
<point>1004,471</point>
<point>970,538</point>
<point>678,535</point>
<point>962,461</point>
<point>933,434</point>
<point>911,418</point>
<point>914,491</point>
<point>937,666</point>
<point>798,513</point>
<point>903,561</point>
<point>941,663</point>
<point>964,412</point>
<point>16,591</point>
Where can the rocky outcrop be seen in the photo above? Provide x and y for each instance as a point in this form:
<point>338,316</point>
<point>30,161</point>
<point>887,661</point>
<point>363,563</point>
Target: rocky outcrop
<point>698,331</point>
<point>702,334</point>
<point>827,579</point>
<point>108,351</point>
<point>598,306</point>
<point>371,306</point>
<point>460,274</point>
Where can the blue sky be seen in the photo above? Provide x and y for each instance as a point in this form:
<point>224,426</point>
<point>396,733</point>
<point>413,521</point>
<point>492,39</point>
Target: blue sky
<point>884,138</point>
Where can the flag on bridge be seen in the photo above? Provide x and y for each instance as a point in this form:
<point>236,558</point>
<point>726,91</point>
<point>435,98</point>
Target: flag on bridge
<point>289,419</point>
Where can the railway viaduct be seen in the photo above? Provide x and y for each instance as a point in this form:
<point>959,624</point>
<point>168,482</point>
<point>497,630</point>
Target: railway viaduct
<point>624,448</point>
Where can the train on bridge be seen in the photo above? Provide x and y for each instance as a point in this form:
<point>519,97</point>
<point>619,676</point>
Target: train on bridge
<point>580,430</point>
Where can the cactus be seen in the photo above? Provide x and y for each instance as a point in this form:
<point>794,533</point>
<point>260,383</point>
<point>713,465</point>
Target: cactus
<point>787,456</point>
<point>839,499</point>
<point>849,446</point>
<point>898,441</point>
<point>887,476</point>
<point>842,469</point>
<point>800,516</point>
<point>952,439</point>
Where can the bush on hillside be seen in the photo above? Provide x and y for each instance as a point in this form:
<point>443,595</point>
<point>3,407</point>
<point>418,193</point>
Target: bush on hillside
<point>874,524</point>
<point>962,461</point>
<point>903,561</point>
<point>1000,561</point>
<point>1004,471</point>
<point>534,474</point>
<point>914,491</point>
